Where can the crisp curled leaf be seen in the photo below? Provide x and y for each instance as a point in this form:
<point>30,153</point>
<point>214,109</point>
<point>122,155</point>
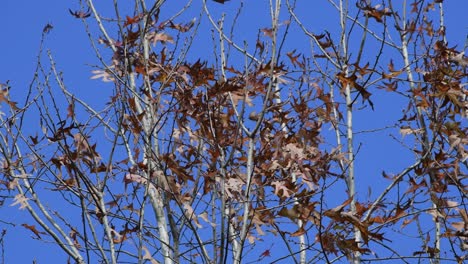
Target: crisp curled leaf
<point>190,214</point>
<point>80,14</point>
<point>104,75</point>
<point>162,37</point>
<point>301,231</point>
<point>281,189</point>
<point>292,213</point>
<point>33,229</point>
<point>21,200</point>
<point>295,151</point>
<point>131,177</point>
<point>148,256</point>
<point>233,187</point>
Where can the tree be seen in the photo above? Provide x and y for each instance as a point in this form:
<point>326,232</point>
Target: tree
<point>247,152</point>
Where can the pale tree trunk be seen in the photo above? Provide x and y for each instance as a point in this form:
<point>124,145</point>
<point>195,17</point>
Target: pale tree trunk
<point>228,231</point>
<point>425,137</point>
<point>349,125</point>
<point>156,197</point>
<point>144,105</point>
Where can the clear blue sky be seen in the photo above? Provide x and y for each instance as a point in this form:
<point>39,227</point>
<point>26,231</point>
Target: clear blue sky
<point>22,24</point>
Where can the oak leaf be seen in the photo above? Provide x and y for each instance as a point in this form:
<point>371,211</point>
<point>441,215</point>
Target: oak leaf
<point>160,36</point>
<point>132,20</point>
<point>292,213</point>
<point>148,256</point>
<point>21,200</point>
<point>299,232</point>
<point>80,14</point>
<point>33,229</point>
<point>265,253</point>
<point>103,74</point>
<point>281,190</point>
<point>459,226</point>
<point>190,214</point>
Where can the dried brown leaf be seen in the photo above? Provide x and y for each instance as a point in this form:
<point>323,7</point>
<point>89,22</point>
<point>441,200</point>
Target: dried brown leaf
<point>102,74</point>
<point>190,214</point>
<point>459,226</point>
<point>299,232</point>
<point>21,200</point>
<point>147,256</point>
<point>281,190</point>
<point>33,229</point>
<point>161,37</point>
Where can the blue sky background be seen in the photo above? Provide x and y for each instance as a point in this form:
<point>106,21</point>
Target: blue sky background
<point>22,24</point>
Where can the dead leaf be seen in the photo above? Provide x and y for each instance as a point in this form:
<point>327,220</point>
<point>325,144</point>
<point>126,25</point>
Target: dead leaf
<point>294,59</point>
<point>73,235</point>
<point>292,213</point>
<point>299,232</point>
<point>336,212</point>
<point>375,12</point>
<point>190,214</point>
<point>12,184</point>
<point>21,200</point>
<point>161,37</point>
<point>81,143</point>
<point>233,186</point>
<point>183,28</point>
<point>131,177</point>
<point>80,14</point>
<point>204,216</point>
<point>251,238</point>
<point>267,32</point>
<point>236,96</point>
<point>459,59</point>
<point>132,20</point>
<point>103,74</point>
<point>296,152</point>
<point>459,226</point>
<point>33,229</point>
<point>148,256</point>
<point>71,110</point>
<point>265,253</point>
<point>281,190</point>
<point>221,1</point>
<point>351,244</point>
<point>405,130</point>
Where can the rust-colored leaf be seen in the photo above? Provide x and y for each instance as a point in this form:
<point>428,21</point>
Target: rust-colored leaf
<point>415,186</point>
<point>4,98</point>
<point>33,229</point>
<point>267,32</point>
<point>265,253</point>
<point>328,242</point>
<point>335,212</point>
<point>80,14</point>
<point>281,189</point>
<point>292,213</point>
<point>346,80</point>
<point>71,110</point>
<point>74,236</point>
<point>132,20</point>
<point>294,59</point>
<point>374,12</point>
<point>299,232</point>
<point>160,37</point>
